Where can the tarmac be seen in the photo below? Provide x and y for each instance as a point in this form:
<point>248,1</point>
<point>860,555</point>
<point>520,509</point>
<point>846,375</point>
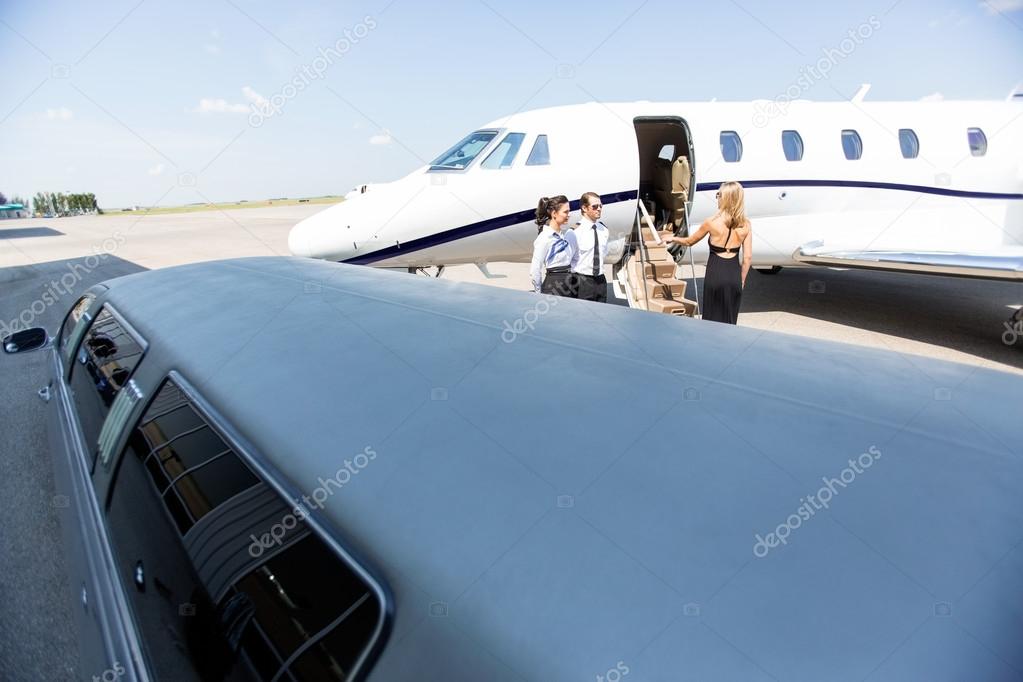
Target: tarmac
<point>45,264</point>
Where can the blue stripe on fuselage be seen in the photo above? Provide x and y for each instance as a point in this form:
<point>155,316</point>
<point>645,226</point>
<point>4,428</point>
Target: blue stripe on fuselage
<point>483,226</point>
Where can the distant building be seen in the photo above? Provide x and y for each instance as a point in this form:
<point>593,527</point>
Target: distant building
<point>13,211</point>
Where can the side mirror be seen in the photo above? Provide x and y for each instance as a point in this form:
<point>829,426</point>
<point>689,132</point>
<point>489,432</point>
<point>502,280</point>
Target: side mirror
<point>25,340</point>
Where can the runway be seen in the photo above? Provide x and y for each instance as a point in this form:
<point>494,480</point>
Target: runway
<point>46,264</point>
<point>959,320</point>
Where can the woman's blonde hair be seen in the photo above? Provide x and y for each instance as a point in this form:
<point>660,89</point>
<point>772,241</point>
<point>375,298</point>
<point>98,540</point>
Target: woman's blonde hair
<point>733,204</point>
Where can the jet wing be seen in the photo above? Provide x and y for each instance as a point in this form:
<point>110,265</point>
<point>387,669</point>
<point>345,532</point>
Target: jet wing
<point>1007,265</point>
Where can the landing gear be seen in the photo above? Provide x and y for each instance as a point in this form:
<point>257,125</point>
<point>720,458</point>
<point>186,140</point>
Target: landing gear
<point>773,270</point>
<point>415,270</point>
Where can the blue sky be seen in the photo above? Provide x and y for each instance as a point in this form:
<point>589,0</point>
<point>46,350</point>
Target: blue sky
<point>151,102</point>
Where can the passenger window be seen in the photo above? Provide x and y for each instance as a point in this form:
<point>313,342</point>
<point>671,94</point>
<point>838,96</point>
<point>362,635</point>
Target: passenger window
<point>852,145</point>
<point>103,364</point>
<point>909,143</point>
<point>792,144</point>
<point>74,323</point>
<point>215,590</point>
<point>978,141</point>
<point>667,152</point>
<point>505,151</point>
<point>731,146</point>
<point>540,155</point>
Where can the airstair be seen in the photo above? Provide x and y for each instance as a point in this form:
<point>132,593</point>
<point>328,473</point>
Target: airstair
<point>647,274</point>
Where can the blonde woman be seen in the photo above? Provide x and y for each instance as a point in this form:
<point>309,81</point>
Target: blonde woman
<point>731,230</point>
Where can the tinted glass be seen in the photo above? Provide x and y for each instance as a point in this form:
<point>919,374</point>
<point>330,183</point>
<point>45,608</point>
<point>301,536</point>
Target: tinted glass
<point>467,149</point>
<point>540,155</point>
<point>103,364</point>
<point>792,144</point>
<point>731,146</point>
<point>909,144</point>
<point>852,145</point>
<point>505,151</point>
<point>206,605</point>
<point>72,320</point>
<point>978,141</point>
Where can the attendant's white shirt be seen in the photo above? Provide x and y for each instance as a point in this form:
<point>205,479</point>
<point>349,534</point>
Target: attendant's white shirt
<point>551,250</point>
<point>584,238</point>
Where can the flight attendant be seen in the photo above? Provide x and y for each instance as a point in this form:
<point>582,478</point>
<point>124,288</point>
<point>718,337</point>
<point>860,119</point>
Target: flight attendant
<point>554,249</point>
<point>591,235</point>
<point>725,278</point>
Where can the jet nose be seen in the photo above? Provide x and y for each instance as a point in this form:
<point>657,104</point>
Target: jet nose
<point>298,240</point>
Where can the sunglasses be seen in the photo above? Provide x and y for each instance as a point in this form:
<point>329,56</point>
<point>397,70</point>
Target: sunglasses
<point>595,206</point>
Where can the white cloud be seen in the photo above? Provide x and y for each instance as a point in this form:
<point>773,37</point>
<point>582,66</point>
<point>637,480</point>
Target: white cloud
<point>212,49</point>
<point>383,137</point>
<point>61,114</point>
<point>220,106</point>
<point>933,97</point>
<point>156,170</point>
<point>254,97</point>
<point>1001,6</point>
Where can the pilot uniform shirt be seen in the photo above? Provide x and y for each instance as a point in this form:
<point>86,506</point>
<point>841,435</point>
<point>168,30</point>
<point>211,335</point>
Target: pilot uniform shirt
<point>583,264</point>
<point>550,250</point>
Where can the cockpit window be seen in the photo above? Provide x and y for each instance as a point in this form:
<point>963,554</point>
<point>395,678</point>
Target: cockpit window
<point>463,153</point>
<point>540,155</point>
<point>505,151</point>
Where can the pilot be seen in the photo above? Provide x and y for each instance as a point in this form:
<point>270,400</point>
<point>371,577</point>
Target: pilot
<point>591,236</point>
<point>554,249</point>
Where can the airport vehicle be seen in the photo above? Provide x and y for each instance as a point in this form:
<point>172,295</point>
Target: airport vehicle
<point>923,187</point>
<point>287,469</point>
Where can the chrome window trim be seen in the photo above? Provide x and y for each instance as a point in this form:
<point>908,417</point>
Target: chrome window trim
<point>107,571</point>
<point>265,470</point>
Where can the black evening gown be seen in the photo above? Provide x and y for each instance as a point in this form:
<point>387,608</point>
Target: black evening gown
<point>722,288</point>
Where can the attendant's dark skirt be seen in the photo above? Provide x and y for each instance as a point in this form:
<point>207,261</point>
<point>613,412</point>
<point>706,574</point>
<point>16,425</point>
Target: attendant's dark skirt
<point>722,289</point>
<point>560,282</point>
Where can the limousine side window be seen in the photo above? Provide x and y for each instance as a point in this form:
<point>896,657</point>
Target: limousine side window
<point>103,364</point>
<point>73,325</point>
<point>216,592</point>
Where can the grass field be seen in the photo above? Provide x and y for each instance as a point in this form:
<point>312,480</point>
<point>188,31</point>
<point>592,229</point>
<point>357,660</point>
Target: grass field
<point>192,208</point>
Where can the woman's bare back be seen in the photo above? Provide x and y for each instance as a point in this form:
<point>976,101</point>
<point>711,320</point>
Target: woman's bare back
<point>719,235</point>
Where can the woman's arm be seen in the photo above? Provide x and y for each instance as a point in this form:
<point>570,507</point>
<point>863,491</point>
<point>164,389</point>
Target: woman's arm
<point>536,265</point>
<point>694,238</point>
<point>747,254</point>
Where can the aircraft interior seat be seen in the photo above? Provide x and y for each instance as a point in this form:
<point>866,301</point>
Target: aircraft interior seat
<point>671,186</point>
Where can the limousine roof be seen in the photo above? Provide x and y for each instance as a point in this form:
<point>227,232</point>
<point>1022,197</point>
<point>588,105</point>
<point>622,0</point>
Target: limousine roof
<point>562,489</point>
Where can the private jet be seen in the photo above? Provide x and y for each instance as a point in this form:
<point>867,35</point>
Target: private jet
<point>923,187</point>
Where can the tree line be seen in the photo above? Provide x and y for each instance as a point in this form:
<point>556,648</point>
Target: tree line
<point>57,203</point>
<point>60,204</point>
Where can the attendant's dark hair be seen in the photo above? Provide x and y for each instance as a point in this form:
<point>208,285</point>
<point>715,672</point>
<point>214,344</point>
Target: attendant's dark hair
<point>547,206</point>
<point>589,198</point>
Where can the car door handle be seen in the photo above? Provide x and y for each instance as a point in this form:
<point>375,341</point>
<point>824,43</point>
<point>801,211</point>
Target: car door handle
<point>44,394</point>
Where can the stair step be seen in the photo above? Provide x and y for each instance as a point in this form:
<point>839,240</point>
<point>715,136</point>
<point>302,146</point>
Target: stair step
<point>665,234</point>
<point>656,253</point>
<point>660,270</point>
<point>683,307</point>
<point>676,288</point>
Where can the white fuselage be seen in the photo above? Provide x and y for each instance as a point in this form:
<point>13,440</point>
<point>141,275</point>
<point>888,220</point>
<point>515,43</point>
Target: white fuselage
<point>947,199</point>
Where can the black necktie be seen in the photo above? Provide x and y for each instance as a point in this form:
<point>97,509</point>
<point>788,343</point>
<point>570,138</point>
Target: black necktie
<point>596,251</point>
